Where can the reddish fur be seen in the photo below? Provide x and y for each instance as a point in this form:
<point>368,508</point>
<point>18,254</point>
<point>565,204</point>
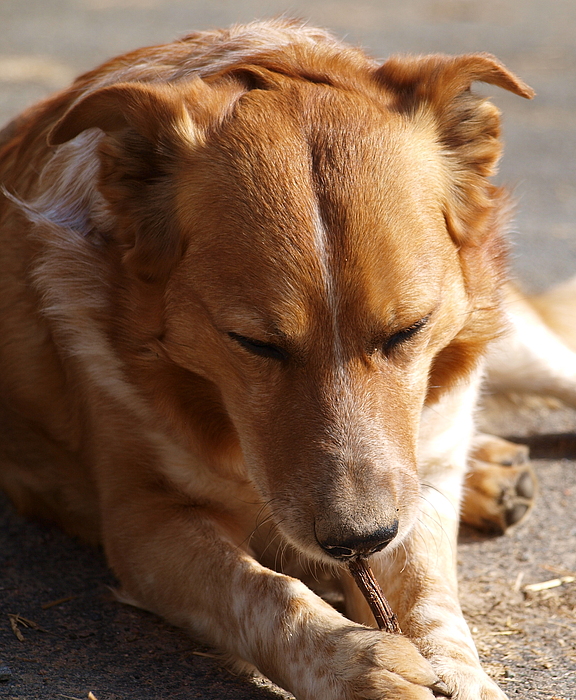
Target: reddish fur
<point>269,182</point>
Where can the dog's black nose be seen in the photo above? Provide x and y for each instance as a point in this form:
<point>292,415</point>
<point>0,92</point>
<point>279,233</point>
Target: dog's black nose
<point>360,545</point>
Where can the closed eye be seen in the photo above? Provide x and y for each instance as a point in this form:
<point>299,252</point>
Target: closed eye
<point>257,347</point>
<point>404,335</point>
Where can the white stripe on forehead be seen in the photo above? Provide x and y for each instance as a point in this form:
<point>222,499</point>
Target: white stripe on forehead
<point>332,298</point>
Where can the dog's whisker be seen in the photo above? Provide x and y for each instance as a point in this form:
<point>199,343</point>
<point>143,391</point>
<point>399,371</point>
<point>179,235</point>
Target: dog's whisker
<point>406,557</point>
<point>447,500</point>
<point>259,523</point>
<point>439,528</point>
<point>273,536</point>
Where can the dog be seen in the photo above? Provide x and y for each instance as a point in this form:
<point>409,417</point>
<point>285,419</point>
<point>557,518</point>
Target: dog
<point>249,283</point>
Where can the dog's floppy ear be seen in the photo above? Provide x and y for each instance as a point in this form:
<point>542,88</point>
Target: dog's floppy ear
<point>148,109</point>
<point>467,126</point>
<point>148,127</point>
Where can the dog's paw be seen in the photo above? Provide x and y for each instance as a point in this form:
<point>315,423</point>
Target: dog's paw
<point>471,684</point>
<point>386,666</point>
<point>366,664</point>
<point>496,450</point>
<point>500,485</point>
<point>457,664</point>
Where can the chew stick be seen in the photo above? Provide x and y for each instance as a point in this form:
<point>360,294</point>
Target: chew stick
<point>370,588</point>
<point>385,618</point>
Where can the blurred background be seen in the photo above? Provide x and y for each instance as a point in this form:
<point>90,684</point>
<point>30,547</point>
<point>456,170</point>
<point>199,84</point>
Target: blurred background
<point>45,43</point>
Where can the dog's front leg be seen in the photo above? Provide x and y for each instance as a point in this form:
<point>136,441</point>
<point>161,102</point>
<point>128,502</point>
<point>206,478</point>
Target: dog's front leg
<point>419,577</point>
<point>423,585</point>
<point>429,603</point>
<point>186,563</point>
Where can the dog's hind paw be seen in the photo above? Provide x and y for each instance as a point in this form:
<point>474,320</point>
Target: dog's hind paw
<point>500,485</point>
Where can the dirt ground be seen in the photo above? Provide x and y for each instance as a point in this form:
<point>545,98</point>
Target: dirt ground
<point>62,633</point>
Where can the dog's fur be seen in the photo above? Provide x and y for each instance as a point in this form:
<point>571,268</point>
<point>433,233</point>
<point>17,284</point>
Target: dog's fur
<point>247,283</point>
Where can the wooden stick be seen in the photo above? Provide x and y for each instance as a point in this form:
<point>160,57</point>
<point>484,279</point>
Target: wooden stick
<point>385,618</point>
<point>367,583</point>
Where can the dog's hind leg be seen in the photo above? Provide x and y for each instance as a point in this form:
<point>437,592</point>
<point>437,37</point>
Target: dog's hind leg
<point>538,354</point>
<point>500,485</point>
<point>557,307</point>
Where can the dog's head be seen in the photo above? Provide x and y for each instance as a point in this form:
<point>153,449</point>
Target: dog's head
<point>322,253</point>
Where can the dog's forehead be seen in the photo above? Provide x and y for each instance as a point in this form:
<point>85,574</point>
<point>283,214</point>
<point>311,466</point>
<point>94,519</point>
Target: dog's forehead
<point>307,193</point>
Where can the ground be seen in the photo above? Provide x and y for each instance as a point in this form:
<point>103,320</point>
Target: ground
<point>62,633</point>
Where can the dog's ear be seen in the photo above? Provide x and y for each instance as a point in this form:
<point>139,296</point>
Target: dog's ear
<point>440,78</point>
<point>148,127</point>
<point>434,93</point>
<point>147,108</point>
<point>467,125</point>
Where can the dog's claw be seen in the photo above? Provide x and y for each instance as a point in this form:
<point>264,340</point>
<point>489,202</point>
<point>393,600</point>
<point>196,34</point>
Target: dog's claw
<point>440,688</point>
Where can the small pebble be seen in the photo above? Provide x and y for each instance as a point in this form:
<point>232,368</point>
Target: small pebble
<point>5,674</point>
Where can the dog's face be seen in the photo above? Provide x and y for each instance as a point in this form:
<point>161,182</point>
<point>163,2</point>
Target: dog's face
<point>317,285</point>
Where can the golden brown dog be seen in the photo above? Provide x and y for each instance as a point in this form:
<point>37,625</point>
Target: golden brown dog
<point>247,283</point>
